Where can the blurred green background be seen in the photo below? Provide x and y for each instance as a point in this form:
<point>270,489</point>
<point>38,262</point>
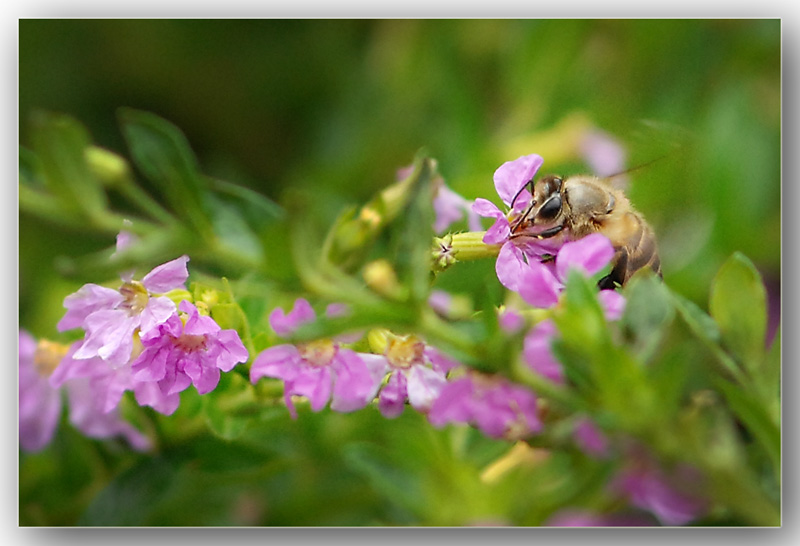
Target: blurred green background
<point>337,106</point>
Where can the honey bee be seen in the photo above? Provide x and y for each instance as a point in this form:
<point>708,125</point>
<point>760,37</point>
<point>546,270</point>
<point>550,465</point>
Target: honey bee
<point>571,208</point>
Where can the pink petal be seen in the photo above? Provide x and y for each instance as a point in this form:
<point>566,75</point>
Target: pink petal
<point>233,350</point>
<point>589,255</point>
<point>498,233</point>
<point>314,384</point>
<point>354,386</point>
<point>87,300</point>
<point>392,401</point>
<point>538,353</point>
<point>510,266</point>
<point>511,176</point>
<point>424,386</point>
<point>284,324</point>
<point>487,209</point>
<point>613,304</point>
<point>157,311</point>
<point>538,286</point>
<point>168,276</point>
<point>280,362</point>
<point>149,394</point>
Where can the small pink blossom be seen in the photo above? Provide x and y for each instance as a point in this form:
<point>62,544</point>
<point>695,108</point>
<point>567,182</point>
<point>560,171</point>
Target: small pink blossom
<point>590,438</point>
<point>110,317</point>
<point>178,354</point>
<point>320,370</point>
<point>497,407</point>
<point>509,180</point>
<point>416,373</point>
<point>674,497</point>
<point>538,354</point>
<point>39,403</point>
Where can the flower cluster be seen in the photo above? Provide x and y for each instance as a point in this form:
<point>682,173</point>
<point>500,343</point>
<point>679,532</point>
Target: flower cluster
<point>136,339</point>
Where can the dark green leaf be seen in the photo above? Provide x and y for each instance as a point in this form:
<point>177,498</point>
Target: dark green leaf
<point>738,305</point>
<point>161,151</point>
<point>757,420</point>
<point>648,312</point>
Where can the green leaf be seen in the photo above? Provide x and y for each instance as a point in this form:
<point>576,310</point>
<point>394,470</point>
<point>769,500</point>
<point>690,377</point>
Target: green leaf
<point>738,303</point>
<point>161,151</point>
<point>413,231</point>
<point>757,420</point>
<point>59,143</point>
<point>648,313</point>
<point>704,327</point>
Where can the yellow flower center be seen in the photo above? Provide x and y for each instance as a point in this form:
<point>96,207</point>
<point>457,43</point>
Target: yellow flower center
<point>403,352</point>
<point>47,356</point>
<point>136,297</point>
<point>318,353</point>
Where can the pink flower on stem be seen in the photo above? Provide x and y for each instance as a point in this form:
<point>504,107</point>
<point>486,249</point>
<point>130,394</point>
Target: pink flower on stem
<point>417,373</point>
<point>187,349</point>
<point>110,317</point>
<point>320,370</point>
<point>39,403</point>
<point>108,384</point>
<point>40,398</point>
<point>497,407</point>
<point>538,354</point>
<point>509,180</point>
<point>590,438</point>
<point>449,206</point>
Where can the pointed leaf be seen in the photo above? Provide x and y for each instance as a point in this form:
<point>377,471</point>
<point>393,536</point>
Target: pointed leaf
<point>738,304</point>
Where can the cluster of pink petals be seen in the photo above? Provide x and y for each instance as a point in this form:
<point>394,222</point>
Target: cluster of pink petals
<point>177,355</point>
<point>110,317</point>
<point>497,407</point>
<point>321,371</point>
<point>40,406</point>
<point>419,382</point>
<point>515,253</point>
<point>665,494</point>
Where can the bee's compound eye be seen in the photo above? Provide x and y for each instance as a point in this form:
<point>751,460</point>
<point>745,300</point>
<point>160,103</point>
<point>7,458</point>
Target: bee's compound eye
<point>550,209</point>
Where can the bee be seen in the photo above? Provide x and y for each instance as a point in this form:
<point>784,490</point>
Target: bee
<point>571,208</point>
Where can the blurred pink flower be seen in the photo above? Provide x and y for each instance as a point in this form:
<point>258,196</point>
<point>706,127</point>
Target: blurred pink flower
<point>320,370</point>
<point>178,354</point>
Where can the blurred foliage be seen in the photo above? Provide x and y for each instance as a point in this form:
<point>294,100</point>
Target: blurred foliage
<point>318,116</point>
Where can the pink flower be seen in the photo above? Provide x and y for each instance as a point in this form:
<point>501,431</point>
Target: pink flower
<point>541,284</point>
<point>40,400</point>
<point>108,384</point>
<point>417,373</point>
<point>39,403</point>
<point>538,354</point>
<point>590,438</point>
<point>450,207</point>
<point>673,497</point>
<point>320,370</point>
<point>110,317</point>
<point>509,181</point>
<point>498,408</point>
<point>604,154</point>
<point>178,354</point>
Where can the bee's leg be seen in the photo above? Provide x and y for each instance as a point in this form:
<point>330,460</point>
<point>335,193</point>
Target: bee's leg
<point>617,275</point>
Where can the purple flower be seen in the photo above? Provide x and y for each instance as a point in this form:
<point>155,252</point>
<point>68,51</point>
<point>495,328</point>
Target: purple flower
<point>673,497</point>
<point>320,370</point>
<point>498,408</point>
<point>590,439</point>
<point>447,204</point>
<point>417,373</point>
<point>178,354</point>
<point>542,283</point>
<point>450,207</point>
<point>110,317</point>
<point>604,154</point>
<point>509,181</point>
<point>39,403</point>
<point>538,354</point>
<point>109,384</point>
<point>40,397</point>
